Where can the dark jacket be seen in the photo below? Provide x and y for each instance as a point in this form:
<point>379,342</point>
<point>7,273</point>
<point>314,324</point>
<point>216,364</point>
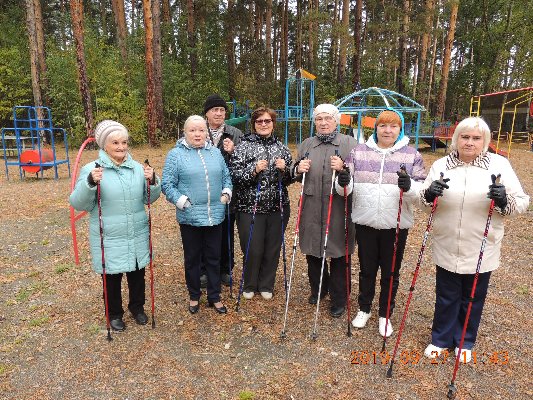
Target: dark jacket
<point>245,157</point>
<point>230,132</point>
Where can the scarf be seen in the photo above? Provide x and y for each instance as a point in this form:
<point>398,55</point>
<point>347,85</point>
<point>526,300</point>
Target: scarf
<point>328,137</point>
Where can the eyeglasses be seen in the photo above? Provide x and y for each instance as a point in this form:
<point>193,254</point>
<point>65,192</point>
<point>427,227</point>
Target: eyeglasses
<point>327,118</point>
<point>263,121</point>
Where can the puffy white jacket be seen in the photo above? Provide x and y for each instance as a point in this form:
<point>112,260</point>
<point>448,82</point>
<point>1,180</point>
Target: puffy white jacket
<point>461,215</point>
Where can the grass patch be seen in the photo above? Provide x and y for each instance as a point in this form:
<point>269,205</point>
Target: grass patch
<point>523,289</point>
<point>45,242</point>
<point>246,395</point>
<point>39,321</point>
<point>23,294</point>
<point>94,329</point>
<point>24,247</point>
<point>61,268</point>
<point>34,274</point>
<point>3,369</point>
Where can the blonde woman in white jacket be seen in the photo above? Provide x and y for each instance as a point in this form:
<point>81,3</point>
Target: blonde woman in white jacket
<point>458,228</point>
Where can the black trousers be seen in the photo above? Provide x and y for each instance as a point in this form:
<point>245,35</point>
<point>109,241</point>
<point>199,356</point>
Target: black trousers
<point>136,288</point>
<point>333,280</point>
<point>375,248</point>
<point>264,250</point>
<point>225,250</point>
<point>202,243</point>
<point>453,293</point>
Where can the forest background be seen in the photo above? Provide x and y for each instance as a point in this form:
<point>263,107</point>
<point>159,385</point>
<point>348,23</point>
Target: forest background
<point>150,64</point>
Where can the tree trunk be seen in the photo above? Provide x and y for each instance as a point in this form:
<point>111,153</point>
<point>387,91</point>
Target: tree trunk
<point>344,39</point>
<point>432,67</point>
<point>76,11</point>
<point>168,28</point>
<point>103,17</point>
<point>158,66</point>
<point>402,73</point>
<point>416,66</point>
<point>356,77</point>
<point>268,42</point>
<point>313,9</point>
<point>120,23</point>
<point>334,48</point>
<point>230,48</point>
<point>191,39</point>
<point>422,60</point>
<point>441,98</point>
<point>299,49</point>
<point>284,42</point>
<point>149,59</point>
<point>41,50</point>
<point>34,59</point>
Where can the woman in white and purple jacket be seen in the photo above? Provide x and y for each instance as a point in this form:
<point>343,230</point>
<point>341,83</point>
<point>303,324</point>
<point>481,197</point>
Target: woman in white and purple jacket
<point>377,180</point>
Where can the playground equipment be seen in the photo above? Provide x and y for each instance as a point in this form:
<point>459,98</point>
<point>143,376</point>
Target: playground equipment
<point>33,129</point>
<point>299,103</point>
<point>372,101</point>
<point>506,105</point>
<point>73,216</point>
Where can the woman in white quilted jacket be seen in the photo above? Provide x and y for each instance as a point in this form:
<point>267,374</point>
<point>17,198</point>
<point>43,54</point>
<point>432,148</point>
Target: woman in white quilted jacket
<point>458,228</point>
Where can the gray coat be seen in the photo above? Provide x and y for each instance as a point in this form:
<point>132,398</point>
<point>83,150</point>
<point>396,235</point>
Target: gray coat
<point>316,199</point>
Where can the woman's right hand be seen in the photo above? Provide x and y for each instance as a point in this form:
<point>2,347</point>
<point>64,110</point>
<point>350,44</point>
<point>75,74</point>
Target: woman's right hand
<point>261,166</point>
<point>304,166</point>
<point>96,174</point>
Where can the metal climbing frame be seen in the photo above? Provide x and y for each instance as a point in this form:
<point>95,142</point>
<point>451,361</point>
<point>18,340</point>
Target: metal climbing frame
<point>34,138</point>
<point>373,100</point>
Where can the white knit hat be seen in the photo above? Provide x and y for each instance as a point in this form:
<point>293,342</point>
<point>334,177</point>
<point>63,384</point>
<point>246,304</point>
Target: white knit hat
<point>328,109</point>
<point>106,128</point>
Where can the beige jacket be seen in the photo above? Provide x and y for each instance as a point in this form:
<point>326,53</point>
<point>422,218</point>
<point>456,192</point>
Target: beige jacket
<point>461,215</point>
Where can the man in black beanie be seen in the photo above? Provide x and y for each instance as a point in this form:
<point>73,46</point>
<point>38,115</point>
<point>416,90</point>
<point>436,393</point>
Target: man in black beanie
<point>225,138</point>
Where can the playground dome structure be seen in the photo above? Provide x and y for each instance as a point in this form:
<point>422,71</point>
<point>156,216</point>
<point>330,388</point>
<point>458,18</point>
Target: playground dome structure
<point>371,101</point>
<point>32,140</point>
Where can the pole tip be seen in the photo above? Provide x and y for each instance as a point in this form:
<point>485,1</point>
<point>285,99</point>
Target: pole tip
<point>153,323</point>
<point>109,338</point>
<point>389,372</point>
<point>452,391</point>
<point>283,335</point>
<point>314,336</point>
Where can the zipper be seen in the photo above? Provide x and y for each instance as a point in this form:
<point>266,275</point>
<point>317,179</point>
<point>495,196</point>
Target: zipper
<point>207,185</point>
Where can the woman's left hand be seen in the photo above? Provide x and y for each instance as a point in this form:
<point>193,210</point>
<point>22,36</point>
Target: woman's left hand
<point>148,172</point>
<point>336,163</point>
<point>280,164</point>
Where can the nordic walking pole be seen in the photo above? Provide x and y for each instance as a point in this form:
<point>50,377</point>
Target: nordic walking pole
<point>150,251</point>
<point>257,191</point>
<point>294,244</point>
<point>230,255</point>
<point>402,168</point>
<point>314,335</point>
<point>106,304</point>
<point>413,282</point>
<point>280,189</point>
<point>348,264</point>
<point>452,390</point>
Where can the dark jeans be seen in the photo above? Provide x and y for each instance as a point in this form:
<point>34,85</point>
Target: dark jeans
<point>333,280</point>
<point>225,251</point>
<point>202,243</point>
<point>453,291</point>
<point>136,287</point>
<point>264,250</point>
<point>375,249</point>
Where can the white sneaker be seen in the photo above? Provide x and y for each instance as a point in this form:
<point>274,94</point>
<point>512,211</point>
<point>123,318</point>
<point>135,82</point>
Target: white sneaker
<point>361,319</point>
<point>466,355</point>
<point>266,295</point>
<point>248,295</point>
<point>433,351</point>
<point>382,327</point>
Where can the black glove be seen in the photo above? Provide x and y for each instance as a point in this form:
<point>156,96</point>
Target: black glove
<point>343,178</point>
<point>497,193</point>
<point>436,189</point>
<point>90,180</point>
<point>404,181</point>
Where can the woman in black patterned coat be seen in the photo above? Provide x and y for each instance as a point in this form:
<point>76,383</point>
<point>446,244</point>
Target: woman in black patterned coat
<point>261,160</point>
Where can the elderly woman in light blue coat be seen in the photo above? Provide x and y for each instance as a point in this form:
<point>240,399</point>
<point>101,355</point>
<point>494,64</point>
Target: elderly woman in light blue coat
<point>197,181</point>
<point>123,193</point>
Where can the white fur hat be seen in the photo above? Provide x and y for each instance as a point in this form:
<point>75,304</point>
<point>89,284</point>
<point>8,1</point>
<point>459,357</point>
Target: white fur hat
<point>106,128</point>
<point>328,109</point>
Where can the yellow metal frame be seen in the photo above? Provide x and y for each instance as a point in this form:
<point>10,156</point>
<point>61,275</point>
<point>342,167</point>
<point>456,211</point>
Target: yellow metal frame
<point>517,101</point>
<point>475,101</point>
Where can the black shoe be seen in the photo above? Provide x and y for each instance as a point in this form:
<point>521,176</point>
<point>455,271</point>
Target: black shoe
<point>224,279</point>
<point>203,281</point>
<point>117,325</point>
<point>194,309</point>
<point>336,311</point>
<point>220,310</point>
<point>313,299</point>
<point>141,318</point>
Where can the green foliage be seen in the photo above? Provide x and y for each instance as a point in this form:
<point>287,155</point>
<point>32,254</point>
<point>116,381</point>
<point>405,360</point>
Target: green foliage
<point>36,322</point>
<point>246,395</point>
<point>61,268</point>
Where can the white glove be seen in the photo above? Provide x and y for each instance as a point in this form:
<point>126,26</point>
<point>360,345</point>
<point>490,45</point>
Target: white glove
<point>224,199</point>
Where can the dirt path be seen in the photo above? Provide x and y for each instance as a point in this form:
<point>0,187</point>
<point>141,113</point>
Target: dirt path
<point>52,337</point>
